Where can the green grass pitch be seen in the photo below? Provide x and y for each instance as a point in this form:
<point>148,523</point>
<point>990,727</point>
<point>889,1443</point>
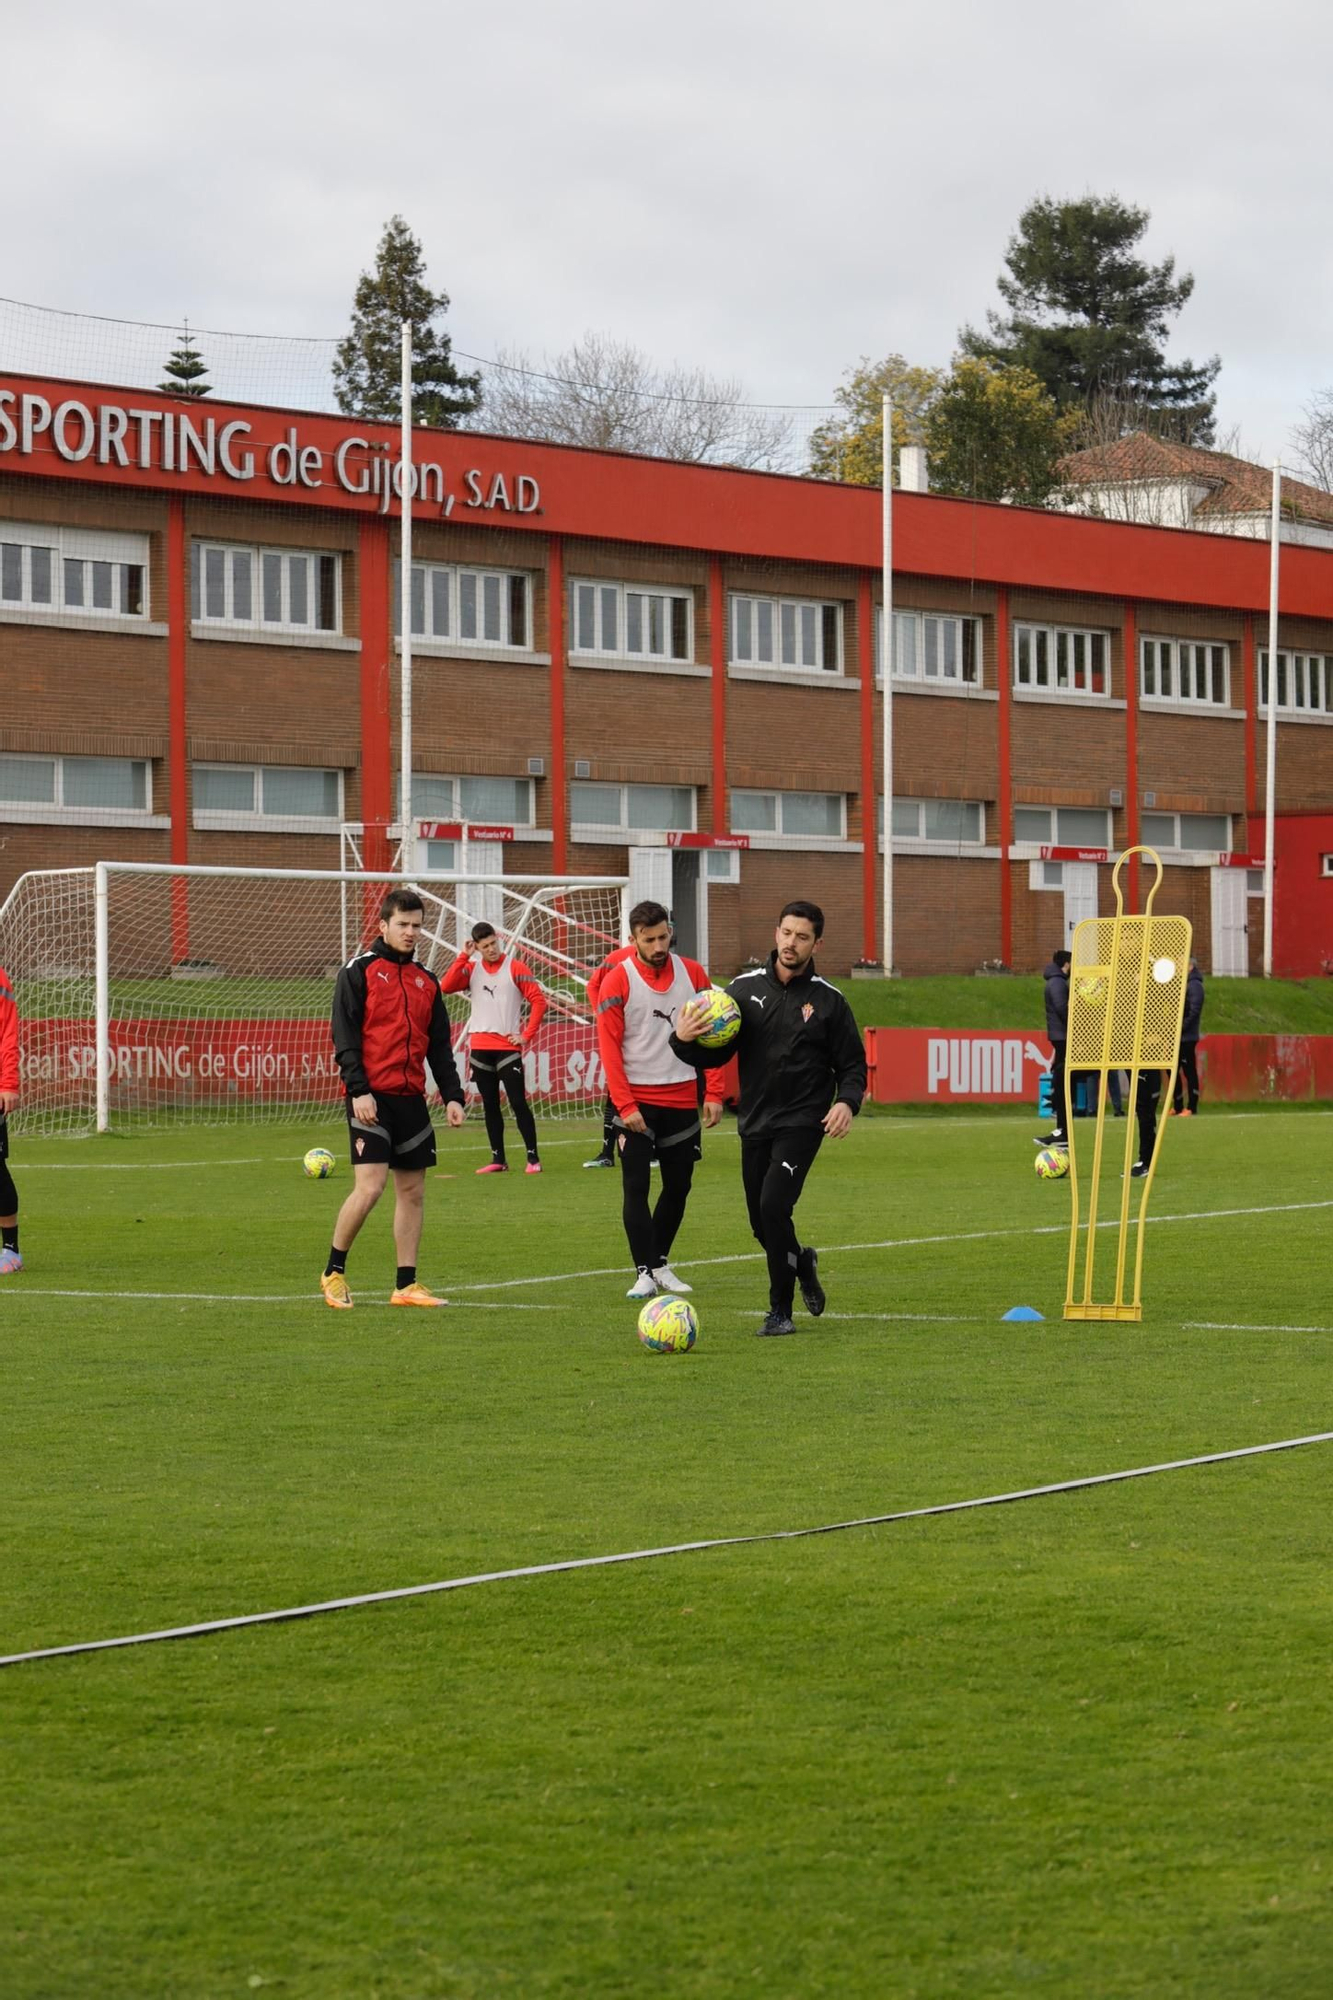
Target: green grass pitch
<point>1077,1746</point>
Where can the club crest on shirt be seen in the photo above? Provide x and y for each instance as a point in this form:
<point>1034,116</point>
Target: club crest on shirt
<point>360,1147</point>
<point>807,1011</point>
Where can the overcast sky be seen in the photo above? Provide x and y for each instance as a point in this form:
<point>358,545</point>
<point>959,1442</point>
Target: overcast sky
<point>768,190</point>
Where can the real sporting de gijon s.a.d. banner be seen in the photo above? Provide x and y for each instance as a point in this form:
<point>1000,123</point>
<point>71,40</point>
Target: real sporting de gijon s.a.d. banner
<point>285,1061</point>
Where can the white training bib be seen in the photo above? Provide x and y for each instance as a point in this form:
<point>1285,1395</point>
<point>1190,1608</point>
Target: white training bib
<point>650,1017</point>
<point>497,1004</point>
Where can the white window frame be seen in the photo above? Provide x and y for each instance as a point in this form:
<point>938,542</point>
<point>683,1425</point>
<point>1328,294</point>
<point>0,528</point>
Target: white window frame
<point>921,668</point>
<point>453,812</point>
<point>1310,673</point>
<point>722,865</point>
<point>1051,648</point>
<point>778,830</point>
<point>611,599</point>
<point>440,854</point>
<point>1182,662</point>
<point>934,839</point>
<point>1055,838</point>
<point>1176,845</point>
<point>802,617</point>
<point>590,832</point>
<point>450,591</point>
<point>91,549</point>
<point>237,819</point>
<point>258,554</point>
<point>55,810</point>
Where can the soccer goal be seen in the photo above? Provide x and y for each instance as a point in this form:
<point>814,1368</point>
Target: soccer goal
<point>150,993</point>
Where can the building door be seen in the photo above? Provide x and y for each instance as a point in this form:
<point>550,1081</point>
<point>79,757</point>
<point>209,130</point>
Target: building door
<point>689,903</point>
<point>1231,938</point>
<point>1080,887</point>
<point>650,876</point>
<point>482,857</point>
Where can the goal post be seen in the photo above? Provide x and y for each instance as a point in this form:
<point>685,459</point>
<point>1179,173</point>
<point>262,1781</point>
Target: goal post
<point>151,993</point>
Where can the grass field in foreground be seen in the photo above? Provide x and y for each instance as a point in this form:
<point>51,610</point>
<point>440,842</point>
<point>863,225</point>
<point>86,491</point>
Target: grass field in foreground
<point>1074,1746</point>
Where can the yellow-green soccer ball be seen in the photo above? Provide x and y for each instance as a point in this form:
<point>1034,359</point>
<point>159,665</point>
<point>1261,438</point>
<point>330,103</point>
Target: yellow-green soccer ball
<point>318,1163</point>
<point>1051,1164</point>
<point>668,1325</point>
<point>722,1016</point>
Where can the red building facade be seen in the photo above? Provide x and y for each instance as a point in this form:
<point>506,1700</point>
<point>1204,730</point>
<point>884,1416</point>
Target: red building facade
<point>632,666</point>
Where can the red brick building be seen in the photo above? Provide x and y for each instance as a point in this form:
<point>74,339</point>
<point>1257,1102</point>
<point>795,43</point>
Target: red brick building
<point>627,662</point>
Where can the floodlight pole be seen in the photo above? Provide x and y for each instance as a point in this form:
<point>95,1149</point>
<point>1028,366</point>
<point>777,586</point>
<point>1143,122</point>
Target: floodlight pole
<point>1270,767</point>
<point>405,479</point>
<point>886,710</point>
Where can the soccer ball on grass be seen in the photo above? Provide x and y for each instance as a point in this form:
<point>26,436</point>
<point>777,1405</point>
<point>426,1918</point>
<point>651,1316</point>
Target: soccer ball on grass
<point>721,1015</point>
<point>1051,1164</point>
<point>668,1325</point>
<point>318,1163</point>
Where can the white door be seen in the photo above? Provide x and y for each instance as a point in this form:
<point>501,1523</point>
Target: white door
<point>1231,943</point>
<point>1080,887</point>
<point>482,857</point>
<point>650,876</point>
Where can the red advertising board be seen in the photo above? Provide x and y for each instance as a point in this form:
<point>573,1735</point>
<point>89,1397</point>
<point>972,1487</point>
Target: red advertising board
<point>948,1066</point>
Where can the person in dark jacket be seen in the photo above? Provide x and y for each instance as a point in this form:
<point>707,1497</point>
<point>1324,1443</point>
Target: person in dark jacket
<point>1056,976</point>
<point>802,1079</point>
<point>389,1020</point>
<point>1187,1076</point>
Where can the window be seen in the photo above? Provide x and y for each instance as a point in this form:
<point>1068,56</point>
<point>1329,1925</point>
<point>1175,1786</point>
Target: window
<point>481,607</point>
<point>797,815</point>
<point>1304,683</point>
<point>76,784</point>
<point>1186,830</point>
<point>439,854</point>
<point>1062,826</point>
<point>476,801</point>
<point>630,623</point>
<point>633,808</point>
<point>264,590</point>
<point>268,791</point>
<point>957,821</point>
<point>722,864</point>
<point>47,570</point>
<point>786,632</point>
<point>1185,670</point>
<point>931,646</point>
<point>1061,659</point>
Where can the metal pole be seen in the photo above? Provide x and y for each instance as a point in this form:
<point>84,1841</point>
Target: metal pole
<point>407,822</point>
<point>886,663</point>
<point>1270,767</point>
<point>102,995</point>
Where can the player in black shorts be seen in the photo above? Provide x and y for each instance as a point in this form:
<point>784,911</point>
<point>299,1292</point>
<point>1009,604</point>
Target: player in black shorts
<point>389,1020</point>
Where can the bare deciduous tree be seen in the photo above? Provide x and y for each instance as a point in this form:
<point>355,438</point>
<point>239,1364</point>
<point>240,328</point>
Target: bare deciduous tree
<point>1312,439</point>
<point>608,394</point>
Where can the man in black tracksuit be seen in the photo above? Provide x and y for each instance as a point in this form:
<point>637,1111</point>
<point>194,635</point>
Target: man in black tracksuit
<point>802,1078</point>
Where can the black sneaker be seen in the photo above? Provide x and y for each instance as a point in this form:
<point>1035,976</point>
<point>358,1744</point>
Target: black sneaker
<point>1138,1171</point>
<point>775,1323</point>
<point>1053,1139</point>
<point>807,1277</point>
<point>602,1160</point>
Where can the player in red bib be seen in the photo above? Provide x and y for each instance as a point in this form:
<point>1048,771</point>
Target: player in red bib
<point>658,1115</point>
<point>10,1261</point>
<point>498,986</point>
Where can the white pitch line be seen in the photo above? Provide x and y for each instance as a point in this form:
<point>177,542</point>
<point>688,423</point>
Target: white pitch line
<point>648,1555</point>
<point>257,1299</point>
<point>1239,1326</point>
<point>129,1166</point>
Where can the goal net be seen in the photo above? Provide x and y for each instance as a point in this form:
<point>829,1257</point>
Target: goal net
<point>149,993</point>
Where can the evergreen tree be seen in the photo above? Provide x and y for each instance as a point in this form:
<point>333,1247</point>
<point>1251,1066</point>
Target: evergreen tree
<point>996,434</point>
<point>185,369</point>
<point>1090,318</point>
<point>850,446</point>
<point>367,369</point>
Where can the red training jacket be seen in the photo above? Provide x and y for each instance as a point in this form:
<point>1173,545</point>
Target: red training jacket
<point>388,1020</point>
<point>9,1036</point>
<point>612,992</point>
<point>459,977</point>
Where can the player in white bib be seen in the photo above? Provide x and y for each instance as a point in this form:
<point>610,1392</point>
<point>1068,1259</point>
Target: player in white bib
<point>499,987</point>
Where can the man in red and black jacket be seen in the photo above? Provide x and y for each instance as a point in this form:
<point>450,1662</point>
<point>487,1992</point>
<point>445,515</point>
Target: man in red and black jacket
<point>389,1020</point>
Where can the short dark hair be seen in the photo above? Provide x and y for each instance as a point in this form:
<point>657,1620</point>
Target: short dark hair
<point>647,916</point>
<point>400,899</point>
<point>810,913</point>
<point>482,930</point>
<point>1062,958</point>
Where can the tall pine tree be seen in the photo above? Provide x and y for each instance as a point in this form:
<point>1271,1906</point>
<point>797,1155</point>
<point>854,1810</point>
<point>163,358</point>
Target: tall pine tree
<point>185,369</point>
<point>367,368</point>
<point>1090,318</point>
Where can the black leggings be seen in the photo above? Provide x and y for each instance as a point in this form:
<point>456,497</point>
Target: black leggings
<point>9,1194</point>
<point>493,1070</point>
<point>1188,1075</point>
<point>672,1139</point>
<point>773,1172</point>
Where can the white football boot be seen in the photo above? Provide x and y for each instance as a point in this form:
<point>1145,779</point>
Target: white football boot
<point>667,1281</point>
